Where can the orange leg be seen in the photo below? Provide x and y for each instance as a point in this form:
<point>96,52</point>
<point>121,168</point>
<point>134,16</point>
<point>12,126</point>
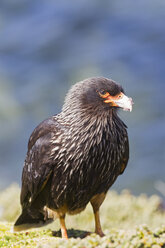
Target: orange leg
<point>63,227</point>
<point>96,202</point>
<point>98,228</point>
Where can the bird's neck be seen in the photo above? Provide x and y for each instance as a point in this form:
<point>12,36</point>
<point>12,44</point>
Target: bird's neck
<point>92,123</point>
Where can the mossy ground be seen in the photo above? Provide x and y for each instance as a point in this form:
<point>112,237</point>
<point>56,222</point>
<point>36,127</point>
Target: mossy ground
<point>127,221</point>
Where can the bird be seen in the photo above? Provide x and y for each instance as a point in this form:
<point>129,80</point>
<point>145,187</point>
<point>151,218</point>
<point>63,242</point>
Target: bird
<point>74,157</point>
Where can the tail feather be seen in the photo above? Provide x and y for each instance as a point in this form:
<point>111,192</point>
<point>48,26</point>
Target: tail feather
<point>31,218</point>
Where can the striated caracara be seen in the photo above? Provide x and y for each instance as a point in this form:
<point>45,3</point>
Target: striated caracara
<point>74,157</point>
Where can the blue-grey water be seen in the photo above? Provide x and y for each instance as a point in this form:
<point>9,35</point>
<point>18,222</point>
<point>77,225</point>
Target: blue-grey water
<point>46,46</point>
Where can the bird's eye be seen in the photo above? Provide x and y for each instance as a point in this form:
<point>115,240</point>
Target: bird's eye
<point>102,92</point>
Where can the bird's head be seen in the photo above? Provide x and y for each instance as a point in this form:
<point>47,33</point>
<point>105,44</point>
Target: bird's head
<point>107,93</point>
<point>97,94</point>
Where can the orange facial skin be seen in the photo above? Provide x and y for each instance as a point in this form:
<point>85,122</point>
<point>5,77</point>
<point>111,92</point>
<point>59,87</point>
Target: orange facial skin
<point>110,99</point>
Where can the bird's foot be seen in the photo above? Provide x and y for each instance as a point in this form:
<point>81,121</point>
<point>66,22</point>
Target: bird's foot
<point>64,234</point>
<point>100,233</point>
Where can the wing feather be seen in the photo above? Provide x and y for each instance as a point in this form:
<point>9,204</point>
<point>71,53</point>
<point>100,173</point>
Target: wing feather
<point>39,162</point>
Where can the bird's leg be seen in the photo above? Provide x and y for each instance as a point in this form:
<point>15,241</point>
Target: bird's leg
<point>98,228</point>
<point>63,227</point>
<point>96,202</point>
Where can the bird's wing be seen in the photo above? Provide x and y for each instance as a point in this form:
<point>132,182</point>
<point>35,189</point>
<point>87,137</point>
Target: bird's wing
<point>125,155</point>
<point>39,161</point>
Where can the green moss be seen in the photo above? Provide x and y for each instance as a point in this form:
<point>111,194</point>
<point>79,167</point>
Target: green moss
<point>128,222</point>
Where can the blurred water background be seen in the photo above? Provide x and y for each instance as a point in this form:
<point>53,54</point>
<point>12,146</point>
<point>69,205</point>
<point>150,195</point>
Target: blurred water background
<point>46,46</point>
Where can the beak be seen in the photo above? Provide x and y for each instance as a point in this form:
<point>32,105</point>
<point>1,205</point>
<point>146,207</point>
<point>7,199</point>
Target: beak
<point>124,102</point>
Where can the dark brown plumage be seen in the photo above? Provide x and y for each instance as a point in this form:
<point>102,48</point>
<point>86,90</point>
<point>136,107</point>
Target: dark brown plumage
<point>74,157</point>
